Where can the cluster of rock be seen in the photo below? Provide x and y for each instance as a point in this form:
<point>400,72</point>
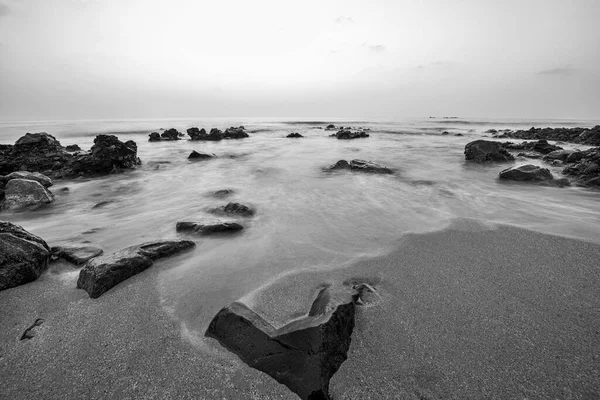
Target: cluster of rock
<point>584,166</point>
<point>348,134</point>
<point>212,226</point>
<point>540,146</point>
<point>41,152</point>
<point>169,134</point>
<point>588,136</point>
<point>360,165</point>
<point>216,134</point>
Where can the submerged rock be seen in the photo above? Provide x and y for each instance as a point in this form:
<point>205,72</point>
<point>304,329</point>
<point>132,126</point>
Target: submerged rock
<point>304,354</point>
<point>208,228</point>
<point>481,151</point>
<point>76,253</point>
<point>294,135</point>
<point>100,274</point>
<point>360,165</point>
<point>20,193</point>
<point>526,172</point>
<point>23,256</point>
<point>194,155</point>
<point>236,209</point>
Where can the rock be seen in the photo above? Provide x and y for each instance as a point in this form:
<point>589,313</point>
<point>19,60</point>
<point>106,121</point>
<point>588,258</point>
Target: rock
<point>154,137</point>
<point>108,154</point>
<point>360,165</point>
<point>76,253</point>
<point>294,135</point>
<point>458,134</point>
<point>560,155</point>
<point>41,138</point>
<point>20,193</point>
<point>23,256</point>
<point>194,155</point>
<point>347,134</point>
<point>103,203</point>
<point>221,194</point>
<point>530,154</point>
<point>304,354</point>
<point>575,156</point>
<point>588,136</point>
<point>33,152</point>
<point>207,228</point>
<point>100,274</point>
<point>170,134</point>
<point>342,164</point>
<point>72,148</point>
<point>31,331</point>
<point>491,131</point>
<point>587,169</point>
<point>445,133</point>
<point>330,127</point>
<point>485,151</point>
<point>235,133</point>
<point>201,134</point>
<point>236,209</point>
<point>526,172</point>
<point>32,176</point>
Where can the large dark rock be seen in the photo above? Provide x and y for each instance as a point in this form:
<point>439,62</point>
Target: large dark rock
<point>485,151</point>
<point>23,256</point>
<point>20,193</point>
<point>76,253</point>
<point>304,354</point>
<point>360,165</point>
<point>194,155</point>
<point>347,134</point>
<point>154,137</point>
<point>200,134</point>
<point>588,136</point>
<point>39,152</point>
<point>170,134</point>
<point>235,209</point>
<point>102,273</point>
<point>208,227</point>
<point>235,133</point>
<point>294,135</point>
<point>108,154</point>
<point>526,172</point>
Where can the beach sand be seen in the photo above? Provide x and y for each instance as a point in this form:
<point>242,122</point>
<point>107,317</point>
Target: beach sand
<point>469,312</point>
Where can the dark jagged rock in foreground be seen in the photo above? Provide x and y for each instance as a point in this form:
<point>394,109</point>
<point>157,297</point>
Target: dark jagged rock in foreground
<point>194,155</point>
<point>304,354</point>
<point>541,146</point>
<point>23,256</point>
<point>588,136</point>
<point>236,209</point>
<point>41,152</point>
<point>360,165</point>
<point>347,134</point>
<point>76,253</point>
<point>294,135</point>
<point>102,273</point>
<point>585,167</point>
<point>207,228</point>
<point>482,151</point>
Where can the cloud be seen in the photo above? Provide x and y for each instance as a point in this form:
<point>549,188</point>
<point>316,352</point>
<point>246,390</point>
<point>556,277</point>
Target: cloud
<point>4,10</point>
<point>344,19</point>
<point>564,71</point>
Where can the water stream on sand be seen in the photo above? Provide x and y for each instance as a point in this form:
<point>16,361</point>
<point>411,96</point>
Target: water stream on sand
<point>306,219</point>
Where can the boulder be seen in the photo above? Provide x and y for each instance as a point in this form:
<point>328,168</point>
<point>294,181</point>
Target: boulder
<point>526,172</point>
<point>208,227</point>
<point>23,256</point>
<point>235,133</point>
<point>196,134</point>
<point>481,151</point>
<point>304,354</point>
<point>560,155</point>
<point>76,253</point>
<point>330,127</point>
<point>294,135</point>
<point>154,137</point>
<point>194,155</point>
<point>19,193</point>
<point>235,209</point>
<point>32,176</point>
<point>170,134</point>
<point>347,134</point>
<point>360,165</point>
<point>100,274</point>
<point>108,154</point>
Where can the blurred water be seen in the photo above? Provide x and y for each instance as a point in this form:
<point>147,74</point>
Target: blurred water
<point>306,219</point>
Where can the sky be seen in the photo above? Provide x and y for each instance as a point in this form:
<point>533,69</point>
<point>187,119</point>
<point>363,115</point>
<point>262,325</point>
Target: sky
<point>121,59</point>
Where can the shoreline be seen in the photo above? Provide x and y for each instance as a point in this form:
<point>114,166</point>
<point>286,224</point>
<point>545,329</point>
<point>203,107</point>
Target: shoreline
<point>470,311</point>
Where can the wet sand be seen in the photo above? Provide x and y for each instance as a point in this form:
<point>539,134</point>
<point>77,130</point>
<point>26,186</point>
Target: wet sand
<point>468,312</point>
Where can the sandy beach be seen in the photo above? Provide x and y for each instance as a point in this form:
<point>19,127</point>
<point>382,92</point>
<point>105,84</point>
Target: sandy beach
<point>472,311</point>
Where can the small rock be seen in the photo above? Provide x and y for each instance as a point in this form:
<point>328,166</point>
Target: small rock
<point>294,135</point>
<point>30,332</point>
<point>221,194</point>
<point>194,155</point>
<point>234,209</point>
<point>76,254</point>
<point>207,228</point>
<point>526,172</point>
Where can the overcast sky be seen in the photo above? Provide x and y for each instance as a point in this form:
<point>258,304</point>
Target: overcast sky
<point>62,59</point>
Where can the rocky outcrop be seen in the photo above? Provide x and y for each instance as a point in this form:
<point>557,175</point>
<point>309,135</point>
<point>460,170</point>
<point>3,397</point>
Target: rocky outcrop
<point>526,172</point>
<point>168,135</point>
<point>585,167</point>
<point>208,227</point>
<point>234,209</point>
<point>347,134</point>
<point>23,256</point>
<point>304,354</point>
<point>235,133</point>
<point>76,253</point>
<point>541,146</point>
<point>200,134</point>
<point>482,151</point>
<point>21,193</point>
<point>294,135</point>
<point>588,136</point>
<point>108,154</point>
<point>100,274</point>
<point>194,155</point>
<point>360,165</point>
<point>154,137</point>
